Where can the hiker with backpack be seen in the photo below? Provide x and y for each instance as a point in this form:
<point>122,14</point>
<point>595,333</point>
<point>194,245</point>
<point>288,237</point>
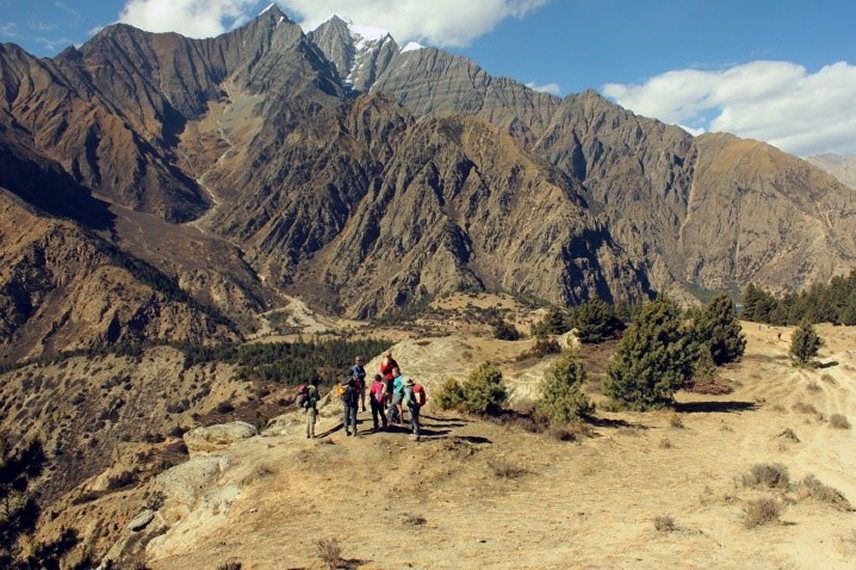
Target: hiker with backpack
<point>307,398</point>
<point>396,416</point>
<point>414,398</point>
<point>377,400</point>
<point>359,374</point>
<point>388,366</point>
<point>349,394</point>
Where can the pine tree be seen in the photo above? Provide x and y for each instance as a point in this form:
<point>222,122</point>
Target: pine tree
<point>805,343</point>
<point>484,391</point>
<point>654,358</point>
<point>717,326</point>
<point>596,322</point>
<point>562,399</point>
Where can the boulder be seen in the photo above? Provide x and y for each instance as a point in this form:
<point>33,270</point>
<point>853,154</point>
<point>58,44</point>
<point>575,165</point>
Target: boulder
<point>204,440</point>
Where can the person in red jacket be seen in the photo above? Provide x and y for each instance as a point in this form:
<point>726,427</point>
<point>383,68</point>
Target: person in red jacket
<point>387,365</point>
<point>377,400</point>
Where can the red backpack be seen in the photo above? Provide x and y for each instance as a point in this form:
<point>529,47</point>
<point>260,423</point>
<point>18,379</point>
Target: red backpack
<point>419,394</point>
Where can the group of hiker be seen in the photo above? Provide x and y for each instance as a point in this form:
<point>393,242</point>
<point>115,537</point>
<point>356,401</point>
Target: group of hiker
<point>390,395</point>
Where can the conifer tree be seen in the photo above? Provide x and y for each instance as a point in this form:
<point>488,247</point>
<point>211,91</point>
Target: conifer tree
<point>805,343</point>
<point>596,322</point>
<point>484,391</point>
<point>654,358</point>
<point>562,399</point>
<point>717,326</point>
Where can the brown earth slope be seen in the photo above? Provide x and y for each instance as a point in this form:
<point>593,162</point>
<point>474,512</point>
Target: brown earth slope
<point>648,490</point>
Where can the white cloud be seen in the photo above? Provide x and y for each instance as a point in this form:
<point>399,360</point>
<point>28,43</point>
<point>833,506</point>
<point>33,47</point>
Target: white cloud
<point>551,88</point>
<point>438,22</point>
<point>774,101</point>
<point>193,18</point>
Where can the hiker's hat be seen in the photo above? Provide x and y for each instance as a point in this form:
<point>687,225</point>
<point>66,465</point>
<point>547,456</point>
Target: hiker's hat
<point>409,381</point>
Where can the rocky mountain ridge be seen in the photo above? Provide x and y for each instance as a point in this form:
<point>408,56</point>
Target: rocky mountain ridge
<point>367,178</point>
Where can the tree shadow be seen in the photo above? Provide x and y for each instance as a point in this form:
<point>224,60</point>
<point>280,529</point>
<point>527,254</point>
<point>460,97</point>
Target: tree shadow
<point>447,422</point>
<point>614,423</point>
<point>714,407</point>
<point>830,364</point>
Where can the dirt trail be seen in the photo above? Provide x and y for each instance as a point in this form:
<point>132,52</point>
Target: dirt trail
<point>476,494</point>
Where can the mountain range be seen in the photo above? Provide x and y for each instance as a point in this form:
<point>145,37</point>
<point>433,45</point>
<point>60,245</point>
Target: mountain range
<point>156,186</point>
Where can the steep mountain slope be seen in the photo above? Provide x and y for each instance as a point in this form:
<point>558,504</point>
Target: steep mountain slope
<point>366,177</point>
<point>62,287</point>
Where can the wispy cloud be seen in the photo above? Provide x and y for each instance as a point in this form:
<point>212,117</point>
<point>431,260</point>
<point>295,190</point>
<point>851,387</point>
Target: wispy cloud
<point>69,10</point>
<point>53,44</point>
<point>9,30</point>
<point>453,23</point>
<point>551,88</point>
<point>774,101</point>
<point>194,18</point>
<point>38,26</point>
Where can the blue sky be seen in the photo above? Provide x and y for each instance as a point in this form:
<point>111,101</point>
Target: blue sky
<point>780,71</point>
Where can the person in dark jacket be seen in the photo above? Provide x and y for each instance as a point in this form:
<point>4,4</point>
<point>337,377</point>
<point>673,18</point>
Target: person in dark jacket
<point>348,391</point>
<point>359,373</point>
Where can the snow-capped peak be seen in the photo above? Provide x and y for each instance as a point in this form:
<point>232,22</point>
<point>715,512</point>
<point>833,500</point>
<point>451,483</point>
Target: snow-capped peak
<point>271,5</point>
<point>367,33</point>
<point>412,46</point>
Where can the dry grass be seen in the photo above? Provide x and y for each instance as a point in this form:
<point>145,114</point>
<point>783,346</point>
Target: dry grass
<point>507,470</point>
<point>675,421</point>
<point>665,443</point>
<point>839,421</point>
<point>810,487</point>
<point>767,475</point>
<point>789,435</point>
<point>803,408</point>
<point>758,512</point>
<point>329,552</point>
<point>665,523</point>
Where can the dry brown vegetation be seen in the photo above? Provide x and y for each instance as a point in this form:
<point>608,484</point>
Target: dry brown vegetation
<point>477,492</point>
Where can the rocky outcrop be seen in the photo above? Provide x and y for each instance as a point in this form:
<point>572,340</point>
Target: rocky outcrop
<point>204,440</point>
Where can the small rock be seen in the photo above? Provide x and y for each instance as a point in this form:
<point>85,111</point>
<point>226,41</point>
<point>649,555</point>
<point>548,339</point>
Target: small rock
<point>140,521</point>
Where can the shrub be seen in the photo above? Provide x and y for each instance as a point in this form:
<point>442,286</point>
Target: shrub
<point>562,400</point>
<point>839,421</point>
<point>555,322</point>
<point>665,523</point>
<point>484,391</point>
<point>450,395</point>
<point>769,475</point>
<point>231,565</point>
<point>675,421</point>
<point>543,347</point>
<point>760,512</point>
<point>805,343</point>
<point>811,487</point>
<point>653,360</point>
<point>329,552</point>
<point>503,330</point>
<point>596,322</point>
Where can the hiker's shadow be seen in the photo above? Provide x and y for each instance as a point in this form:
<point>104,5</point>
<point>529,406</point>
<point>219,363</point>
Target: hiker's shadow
<point>331,431</point>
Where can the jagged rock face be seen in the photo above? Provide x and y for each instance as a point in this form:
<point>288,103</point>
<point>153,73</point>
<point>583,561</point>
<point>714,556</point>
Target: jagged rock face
<point>359,55</point>
<point>367,178</point>
<point>64,288</point>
